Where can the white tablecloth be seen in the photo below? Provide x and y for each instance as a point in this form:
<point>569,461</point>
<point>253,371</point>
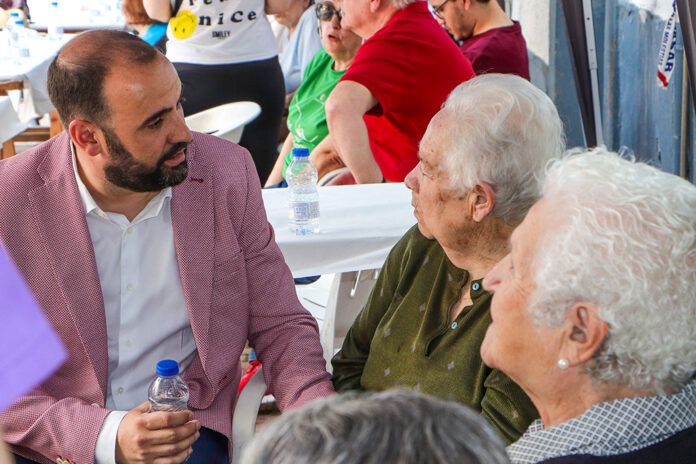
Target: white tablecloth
<point>33,70</point>
<point>359,226</point>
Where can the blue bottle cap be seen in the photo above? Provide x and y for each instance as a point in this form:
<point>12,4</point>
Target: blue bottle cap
<point>167,368</point>
<point>20,22</point>
<point>300,152</point>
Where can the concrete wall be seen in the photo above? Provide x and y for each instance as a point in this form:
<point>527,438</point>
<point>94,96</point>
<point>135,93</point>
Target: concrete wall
<point>636,113</point>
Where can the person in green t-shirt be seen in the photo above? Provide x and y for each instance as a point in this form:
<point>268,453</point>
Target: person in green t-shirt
<point>481,163</point>
<point>306,117</point>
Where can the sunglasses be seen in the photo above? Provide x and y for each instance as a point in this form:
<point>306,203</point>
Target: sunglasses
<point>326,11</point>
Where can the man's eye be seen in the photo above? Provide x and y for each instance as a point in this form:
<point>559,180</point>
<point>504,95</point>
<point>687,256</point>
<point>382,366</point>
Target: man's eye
<point>155,124</point>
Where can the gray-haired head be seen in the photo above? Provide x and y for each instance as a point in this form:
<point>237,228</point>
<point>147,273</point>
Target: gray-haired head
<point>376,428</point>
<point>624,240</point>
<point>403,3</point>
<point>503,131</point>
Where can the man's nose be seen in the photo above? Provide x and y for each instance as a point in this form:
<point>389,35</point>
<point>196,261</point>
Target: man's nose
<point>411,179</point>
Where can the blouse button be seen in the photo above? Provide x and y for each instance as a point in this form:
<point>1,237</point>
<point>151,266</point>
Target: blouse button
<point>454,325</point>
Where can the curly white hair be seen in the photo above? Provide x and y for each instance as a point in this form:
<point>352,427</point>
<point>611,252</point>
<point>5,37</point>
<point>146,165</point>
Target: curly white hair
<point>625,240</point>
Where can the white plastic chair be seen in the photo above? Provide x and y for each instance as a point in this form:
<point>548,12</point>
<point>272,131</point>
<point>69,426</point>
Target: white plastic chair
<point>347,298</point>
<point>245,413</point>
<point>10,127</point>
<point>225,121</point>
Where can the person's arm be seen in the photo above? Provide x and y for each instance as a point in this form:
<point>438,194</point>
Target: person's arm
<point>345,108</point>
<point>278,6</point>
<point>325,158</point>
<point>159,10</point>
<point>506,407</point>
<point>277,173</point>
<point>283,333</point>
<point>5,457</point>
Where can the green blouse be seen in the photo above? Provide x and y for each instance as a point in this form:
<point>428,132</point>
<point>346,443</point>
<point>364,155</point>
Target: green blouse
<point>404,338</point>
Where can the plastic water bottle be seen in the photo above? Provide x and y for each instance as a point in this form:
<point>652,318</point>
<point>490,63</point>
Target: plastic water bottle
<point>168,392</point>
<point>303,196</point>
<point>54,28</point>
<point>19,45</point>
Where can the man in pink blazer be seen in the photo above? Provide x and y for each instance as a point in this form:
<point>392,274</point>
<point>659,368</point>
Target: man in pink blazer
<point>129,161</point>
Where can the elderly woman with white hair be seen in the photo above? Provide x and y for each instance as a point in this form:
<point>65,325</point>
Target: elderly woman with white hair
<point>594,315</point>
<point>479,172</point>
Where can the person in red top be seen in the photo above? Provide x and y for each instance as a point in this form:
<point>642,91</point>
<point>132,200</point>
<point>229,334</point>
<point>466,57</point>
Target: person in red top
<point>400,77</point>
<point>489,39</point>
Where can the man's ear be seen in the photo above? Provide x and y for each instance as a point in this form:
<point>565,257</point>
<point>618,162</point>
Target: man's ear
<point>377,5</point>
<point>481,201</point>
<point>586,333</point>
<point>84,136</point>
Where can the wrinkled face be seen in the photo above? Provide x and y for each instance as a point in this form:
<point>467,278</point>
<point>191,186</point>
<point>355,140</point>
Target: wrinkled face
<point>335,40</point>
<point>442,213</point>
<point>525,351</point>
<point>146,137</point>
<point>453,15</point>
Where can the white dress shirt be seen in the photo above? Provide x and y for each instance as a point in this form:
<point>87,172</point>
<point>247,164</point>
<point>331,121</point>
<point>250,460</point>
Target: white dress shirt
<point>146,315</point>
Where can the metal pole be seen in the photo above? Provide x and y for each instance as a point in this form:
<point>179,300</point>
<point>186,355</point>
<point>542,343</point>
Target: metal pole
<point>592,61</point>
<point>684,116</point>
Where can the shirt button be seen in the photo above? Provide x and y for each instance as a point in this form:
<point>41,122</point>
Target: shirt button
<point>129,287</point>
<point>476,286</point>
<point>96,405</point>
<point>120,390</point>
<point>454,325</point>
<point>129,230</point>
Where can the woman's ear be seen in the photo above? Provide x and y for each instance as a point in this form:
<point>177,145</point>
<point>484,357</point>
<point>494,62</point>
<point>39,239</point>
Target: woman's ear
<point>482,201</point>
<point>587,331</point>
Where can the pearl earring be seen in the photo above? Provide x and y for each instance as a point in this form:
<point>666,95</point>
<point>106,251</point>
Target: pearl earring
<point>563,364</point>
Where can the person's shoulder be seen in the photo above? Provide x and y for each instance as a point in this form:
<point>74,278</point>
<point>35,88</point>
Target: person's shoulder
<point>21,166</point>
<point>214,156</point>
<point>414,244</point>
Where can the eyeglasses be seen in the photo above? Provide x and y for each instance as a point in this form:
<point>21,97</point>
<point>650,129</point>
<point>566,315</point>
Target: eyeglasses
<point>326,11</point>
<point>438,10</point>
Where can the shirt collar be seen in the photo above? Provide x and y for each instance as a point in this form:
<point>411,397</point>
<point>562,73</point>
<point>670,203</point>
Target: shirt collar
<point>153,208</point>
<point>610,428</point>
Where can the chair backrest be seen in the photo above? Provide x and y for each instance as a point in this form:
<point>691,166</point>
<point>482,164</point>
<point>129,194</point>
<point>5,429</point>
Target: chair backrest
<point>245,413</point>
<point>10,125</point>
<point>347,298</point>
<point>225,121</point>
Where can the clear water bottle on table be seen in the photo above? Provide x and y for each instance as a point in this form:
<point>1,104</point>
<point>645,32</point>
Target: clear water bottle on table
<point>54,27</point>
<point>303,196</point>
<point>168,392</point>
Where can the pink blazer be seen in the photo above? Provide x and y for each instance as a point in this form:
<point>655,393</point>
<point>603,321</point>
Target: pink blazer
<point>236,285</point>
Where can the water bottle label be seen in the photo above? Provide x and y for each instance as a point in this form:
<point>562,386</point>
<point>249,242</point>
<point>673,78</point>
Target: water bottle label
<point>304,210</point>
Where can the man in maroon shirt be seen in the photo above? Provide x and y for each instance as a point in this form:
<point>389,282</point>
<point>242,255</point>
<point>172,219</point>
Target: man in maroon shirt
<point>489,39</point>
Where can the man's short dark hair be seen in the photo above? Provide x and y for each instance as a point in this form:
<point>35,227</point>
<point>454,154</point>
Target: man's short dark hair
<point>76,75</point>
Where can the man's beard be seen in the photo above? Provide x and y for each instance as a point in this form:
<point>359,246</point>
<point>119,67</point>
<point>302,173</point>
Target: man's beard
<point>127,172</point>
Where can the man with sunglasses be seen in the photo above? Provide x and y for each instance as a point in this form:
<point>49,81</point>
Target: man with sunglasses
<point>401,75</point>
<point>489,39</point>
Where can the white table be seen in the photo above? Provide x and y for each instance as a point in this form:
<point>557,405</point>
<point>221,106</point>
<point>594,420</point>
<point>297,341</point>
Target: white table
<point>32,71</point>
<point>359,226</point>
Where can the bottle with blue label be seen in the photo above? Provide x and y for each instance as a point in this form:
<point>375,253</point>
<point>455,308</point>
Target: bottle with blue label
<point>168,392</point>
<point>303,196</point>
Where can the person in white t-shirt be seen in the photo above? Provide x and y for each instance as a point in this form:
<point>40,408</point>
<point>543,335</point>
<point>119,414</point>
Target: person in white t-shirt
<point>225,51</point>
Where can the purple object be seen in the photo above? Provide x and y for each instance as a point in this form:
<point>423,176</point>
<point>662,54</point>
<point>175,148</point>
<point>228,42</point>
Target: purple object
<point>30,350</point>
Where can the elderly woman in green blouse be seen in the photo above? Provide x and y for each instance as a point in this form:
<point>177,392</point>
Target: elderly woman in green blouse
<point>481,162</point>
